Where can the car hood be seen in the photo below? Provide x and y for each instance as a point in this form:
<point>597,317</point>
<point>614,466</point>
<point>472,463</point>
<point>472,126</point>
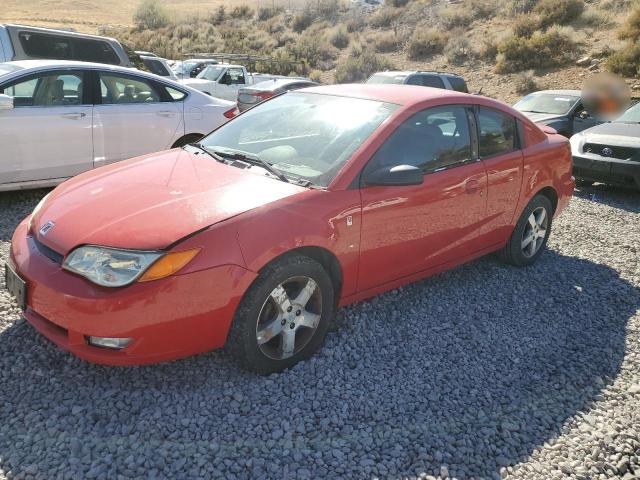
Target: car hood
<point>614,133</point>
<point>543,117</point>
<point>151,202</point>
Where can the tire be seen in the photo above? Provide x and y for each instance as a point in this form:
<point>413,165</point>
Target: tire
<point>584,183</point>
<point>190,138</point>
<point>517,251</point>
<point>259,339</point>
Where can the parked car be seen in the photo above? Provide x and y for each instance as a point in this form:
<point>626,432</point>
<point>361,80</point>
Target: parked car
<point>315,199</point>
<point>225,80</point>
<point>561,110</point>
<point>448,81</point>
<point>610,152</point>
<point>21,42</point>
<point>251,96</point>
<point>192,67</point>
<point>158,66</point>
<point>59,118</point>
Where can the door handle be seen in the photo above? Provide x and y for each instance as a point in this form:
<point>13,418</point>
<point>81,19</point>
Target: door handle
<point>472,186</point>
<point>164,113</point>
<point>74,115</point>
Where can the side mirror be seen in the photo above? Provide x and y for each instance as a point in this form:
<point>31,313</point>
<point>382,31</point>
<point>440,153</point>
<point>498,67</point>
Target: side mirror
<point>584,115</point>
<point>399,175</point>
<point>6,102</point>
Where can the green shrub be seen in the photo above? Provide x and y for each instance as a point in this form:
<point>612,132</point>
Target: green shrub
<point>626,61</point>
<point>457,50</point>
<point>219,16</point>
<point>355,23</point>
<point>241,11</point>
<point>526,25</point>
<point>488,49</point>
<point>385,42</point>
<point>552,48</point>
<point>339,37</point>
<point>359,65</point>
<point>454,17</point>
<point>525,82</point>
<point>314,51</point>
<point>558,12</point>
<point>265,13</point>
<point>425,42</point>
<point>302,21</point>
<point>315,76</point>
<point>150,15</point>
<point>384,17</point>
<point>515,7</point>
<point>630,30</point>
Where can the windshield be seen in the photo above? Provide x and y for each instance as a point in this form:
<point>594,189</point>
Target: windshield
<point>184,67</point>
<point>632,115</point>
<point>381,78</point>
<point>556,104</point>
<point>211,73</point>
<point>303,135</point>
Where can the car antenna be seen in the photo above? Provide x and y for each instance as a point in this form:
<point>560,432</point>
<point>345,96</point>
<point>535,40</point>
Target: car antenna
<point>479,92</point>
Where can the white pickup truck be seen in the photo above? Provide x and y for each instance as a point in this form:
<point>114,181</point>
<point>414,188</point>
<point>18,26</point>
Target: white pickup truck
<point>224,80</point>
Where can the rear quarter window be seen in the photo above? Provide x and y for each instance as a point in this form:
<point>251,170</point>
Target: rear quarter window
<point>458,84</point>
<point>59,47</point>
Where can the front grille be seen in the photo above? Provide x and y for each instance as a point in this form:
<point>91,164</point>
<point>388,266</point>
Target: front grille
<point>47,252</point>
<point>612,151</point>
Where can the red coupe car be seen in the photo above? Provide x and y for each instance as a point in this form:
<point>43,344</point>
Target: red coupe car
<point>251,238</point>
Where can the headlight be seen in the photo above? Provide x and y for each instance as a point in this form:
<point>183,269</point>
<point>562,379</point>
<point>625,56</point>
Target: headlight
<point>109,267</point>
<point>577,142</point>
<point>112,267</point>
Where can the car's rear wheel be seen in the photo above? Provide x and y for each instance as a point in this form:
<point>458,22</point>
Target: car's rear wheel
<point>529,238</point>
<point>283,317</point>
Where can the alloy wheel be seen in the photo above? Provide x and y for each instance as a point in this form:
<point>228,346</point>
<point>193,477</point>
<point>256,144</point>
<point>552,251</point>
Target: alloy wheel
<point>534,232</point>
<point>289,317</point>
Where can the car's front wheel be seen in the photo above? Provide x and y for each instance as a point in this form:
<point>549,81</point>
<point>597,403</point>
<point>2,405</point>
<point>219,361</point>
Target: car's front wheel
<point>529,238</point>
<point>283,317</point>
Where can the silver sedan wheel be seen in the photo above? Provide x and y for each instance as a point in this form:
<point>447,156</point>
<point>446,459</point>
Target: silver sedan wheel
<point>289,317</point>
<point>534,232</point>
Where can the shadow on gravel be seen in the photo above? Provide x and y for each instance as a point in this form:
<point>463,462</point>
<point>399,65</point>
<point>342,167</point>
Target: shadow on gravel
<point>618,197</point>
<point>20,204</point>
<point>468,371</point>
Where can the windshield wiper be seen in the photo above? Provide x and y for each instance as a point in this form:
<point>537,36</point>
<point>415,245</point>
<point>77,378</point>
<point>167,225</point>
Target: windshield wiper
<point>253,159</point>
<point>204,149</point>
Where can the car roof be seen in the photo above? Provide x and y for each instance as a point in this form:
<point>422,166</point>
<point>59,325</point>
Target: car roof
<point>557,92</point>
<point>391,93</point>
<point>395,73</point>
<point>273,83</point>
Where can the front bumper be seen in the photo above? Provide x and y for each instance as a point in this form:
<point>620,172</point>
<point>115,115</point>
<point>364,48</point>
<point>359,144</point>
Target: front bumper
<point>174,317</point>
<point>607,170</point>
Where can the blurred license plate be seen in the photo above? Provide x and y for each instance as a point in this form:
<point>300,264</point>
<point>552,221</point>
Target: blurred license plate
<point>16,286</point>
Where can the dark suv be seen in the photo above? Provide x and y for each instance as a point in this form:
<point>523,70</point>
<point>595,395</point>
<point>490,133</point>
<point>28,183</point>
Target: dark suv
<point>448,81</point>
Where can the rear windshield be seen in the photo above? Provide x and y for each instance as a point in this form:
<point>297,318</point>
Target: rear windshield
<point>60,47</point>
<point>382,78</point>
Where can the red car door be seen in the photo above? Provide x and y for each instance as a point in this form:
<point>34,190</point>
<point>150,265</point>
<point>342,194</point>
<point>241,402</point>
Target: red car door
<point>499,150</point>
<point>407,229</point>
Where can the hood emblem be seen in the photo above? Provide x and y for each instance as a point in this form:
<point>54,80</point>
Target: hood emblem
<point>607,152</point>
<point>46,227</point>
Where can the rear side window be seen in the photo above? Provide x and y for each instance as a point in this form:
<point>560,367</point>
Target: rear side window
<point>458,84</point>
<point>176,95</point>
<point>431,81</point>
<point>497,132</point>
<point>120,89</point>
<point>39,45</point>
<point>156,66</point>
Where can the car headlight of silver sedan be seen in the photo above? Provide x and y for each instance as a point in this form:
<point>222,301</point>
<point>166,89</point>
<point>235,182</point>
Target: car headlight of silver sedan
<point>109,267</point>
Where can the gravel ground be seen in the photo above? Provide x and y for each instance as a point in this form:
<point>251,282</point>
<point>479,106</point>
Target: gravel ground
<point>486,371</point>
